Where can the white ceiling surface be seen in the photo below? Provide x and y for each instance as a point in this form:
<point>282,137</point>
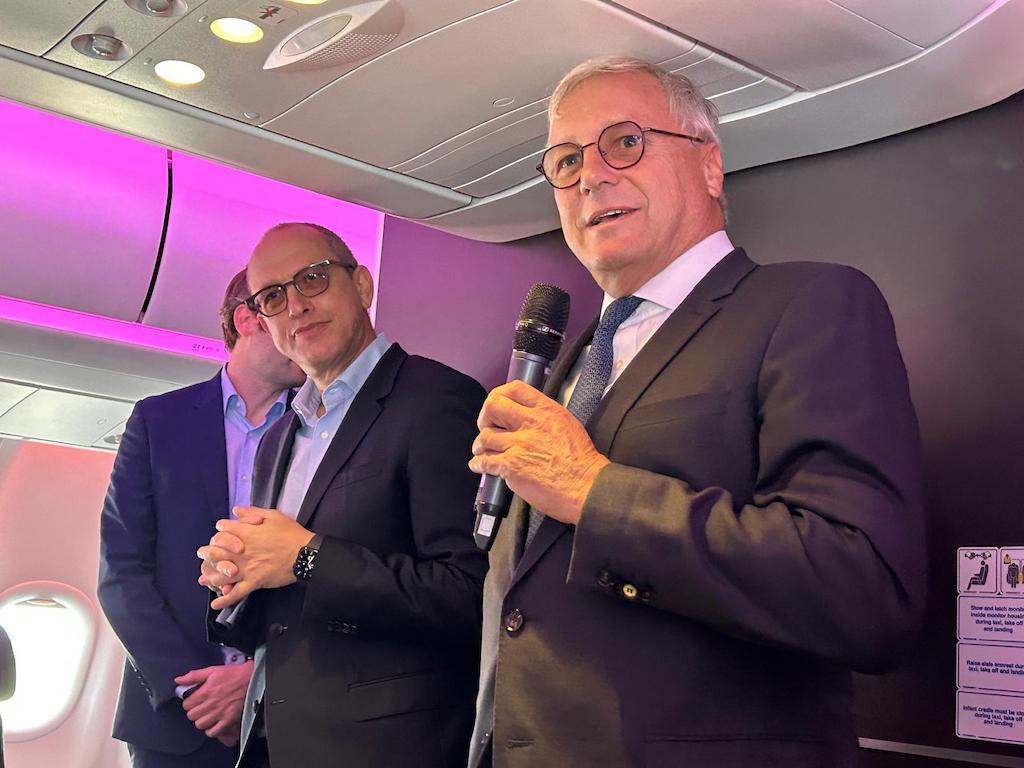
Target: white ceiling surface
<point>414,129</point>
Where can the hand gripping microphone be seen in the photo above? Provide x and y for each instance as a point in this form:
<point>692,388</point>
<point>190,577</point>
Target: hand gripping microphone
<point>539,335</point>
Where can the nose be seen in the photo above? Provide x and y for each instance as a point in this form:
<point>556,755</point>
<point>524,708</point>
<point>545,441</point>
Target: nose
<point>595,172</point>
<point>297,303</point>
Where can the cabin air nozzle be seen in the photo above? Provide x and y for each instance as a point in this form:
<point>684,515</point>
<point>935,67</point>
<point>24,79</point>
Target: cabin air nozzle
<point>340,37</point>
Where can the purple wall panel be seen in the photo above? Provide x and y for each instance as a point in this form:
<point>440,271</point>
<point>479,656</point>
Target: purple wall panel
<point>457,300</point>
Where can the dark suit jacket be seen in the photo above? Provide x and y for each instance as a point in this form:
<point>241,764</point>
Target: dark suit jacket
<point>167,489</point>
<point>758,534</point>
<point>374,662</point>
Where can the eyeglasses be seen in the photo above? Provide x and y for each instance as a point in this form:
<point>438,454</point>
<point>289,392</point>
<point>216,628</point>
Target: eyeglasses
<point>621,145</point>
<point>309,281</point>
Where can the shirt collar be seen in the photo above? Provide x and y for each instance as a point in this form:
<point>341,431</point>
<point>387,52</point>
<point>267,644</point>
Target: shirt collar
<point>307,400</point>
<point>234,402</point>
<point>674,283</point>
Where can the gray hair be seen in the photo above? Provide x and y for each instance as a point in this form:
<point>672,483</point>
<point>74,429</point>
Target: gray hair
<point>695,114</point>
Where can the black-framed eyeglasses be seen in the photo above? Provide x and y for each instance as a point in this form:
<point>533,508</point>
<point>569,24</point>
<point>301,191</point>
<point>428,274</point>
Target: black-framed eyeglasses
<point>621,145</point>
<point>309,281</point>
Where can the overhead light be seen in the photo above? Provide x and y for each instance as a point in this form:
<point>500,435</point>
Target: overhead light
<point>236,30</point>
<point>179,72</point>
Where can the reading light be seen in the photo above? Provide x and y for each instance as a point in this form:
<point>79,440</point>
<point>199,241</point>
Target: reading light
<point>179,72</point>
<point>236,30</point>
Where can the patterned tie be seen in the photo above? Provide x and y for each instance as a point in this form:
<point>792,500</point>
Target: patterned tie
<point>594,378</point>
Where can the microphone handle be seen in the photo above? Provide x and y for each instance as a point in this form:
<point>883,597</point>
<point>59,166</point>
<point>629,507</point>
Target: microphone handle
<point>493,498</point>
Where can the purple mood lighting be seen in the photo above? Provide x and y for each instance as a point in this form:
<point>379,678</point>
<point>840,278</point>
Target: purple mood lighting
<point>88,204</point>
<point>123,331</point>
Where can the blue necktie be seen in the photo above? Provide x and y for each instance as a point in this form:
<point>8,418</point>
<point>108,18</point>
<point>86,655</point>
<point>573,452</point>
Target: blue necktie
<point>594,378</point>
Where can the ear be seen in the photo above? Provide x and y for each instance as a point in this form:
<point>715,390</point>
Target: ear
<point>714,179</point>
<point>246,321</point>
<point>364,285</point>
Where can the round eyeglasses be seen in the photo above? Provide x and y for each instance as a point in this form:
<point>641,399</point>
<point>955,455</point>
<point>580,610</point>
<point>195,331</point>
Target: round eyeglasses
<point>621,145</point>
<point>309,281</point>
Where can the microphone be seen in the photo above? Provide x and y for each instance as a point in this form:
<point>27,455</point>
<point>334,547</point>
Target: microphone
<point>539,335</point>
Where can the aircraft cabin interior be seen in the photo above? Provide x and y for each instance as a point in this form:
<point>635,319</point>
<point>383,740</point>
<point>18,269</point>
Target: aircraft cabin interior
<point>146,145</point>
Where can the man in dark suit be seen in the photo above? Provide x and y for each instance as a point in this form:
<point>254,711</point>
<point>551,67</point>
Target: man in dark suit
<point>356,564</point>
<point>185,457</point>
<point>718,509</point>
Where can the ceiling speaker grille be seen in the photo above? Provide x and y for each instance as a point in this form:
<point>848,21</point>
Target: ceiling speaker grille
<point>351,47</point>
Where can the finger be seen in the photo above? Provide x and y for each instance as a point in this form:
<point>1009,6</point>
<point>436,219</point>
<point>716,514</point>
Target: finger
<point>212,554</point>
<point>502,412</point>
<point>252,515</point>
<point>193,677</point>
<point>488,464</point>
<point>492,441</point>
<point>522,393</point>
<point>227,538</point>
<point>241,589</point>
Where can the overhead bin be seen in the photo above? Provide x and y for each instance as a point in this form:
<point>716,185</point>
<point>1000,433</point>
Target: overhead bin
<point>90,241</point>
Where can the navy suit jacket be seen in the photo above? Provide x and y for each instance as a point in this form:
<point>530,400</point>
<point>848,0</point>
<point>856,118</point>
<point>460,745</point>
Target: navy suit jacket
<point>167,489</point>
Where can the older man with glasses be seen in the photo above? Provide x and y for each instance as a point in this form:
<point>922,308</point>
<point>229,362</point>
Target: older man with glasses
<point>718,509</point>
<point>353,577</point>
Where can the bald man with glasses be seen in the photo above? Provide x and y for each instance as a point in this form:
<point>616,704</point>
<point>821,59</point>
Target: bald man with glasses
<point>353,577</point>
<point>718,508</point>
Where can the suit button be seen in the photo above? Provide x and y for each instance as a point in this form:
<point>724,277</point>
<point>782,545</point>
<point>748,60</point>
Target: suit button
<point>605,579</point>
<point>277,629</point>
<point>255,707</point>
<point>514,621</point>
<point>630,592</point>
<point>348,629</point>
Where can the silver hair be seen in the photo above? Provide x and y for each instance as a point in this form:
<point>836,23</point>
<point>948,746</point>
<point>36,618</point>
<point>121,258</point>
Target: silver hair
<point>694,114</point>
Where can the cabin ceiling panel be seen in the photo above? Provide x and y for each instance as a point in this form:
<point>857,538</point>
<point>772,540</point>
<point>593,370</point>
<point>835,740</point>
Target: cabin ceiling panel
<point>446,84</point>
<point>922,22</point>
<point>81,211</point>
<point>809,43</point>
<point>35,26</point>
<point>238,85</point>
<point>64,417</point>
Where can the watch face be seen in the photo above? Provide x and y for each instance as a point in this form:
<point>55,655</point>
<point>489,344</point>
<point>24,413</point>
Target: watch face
<point>303,567</point>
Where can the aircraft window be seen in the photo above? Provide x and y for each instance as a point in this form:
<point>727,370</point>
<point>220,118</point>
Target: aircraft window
<point>52,628</point>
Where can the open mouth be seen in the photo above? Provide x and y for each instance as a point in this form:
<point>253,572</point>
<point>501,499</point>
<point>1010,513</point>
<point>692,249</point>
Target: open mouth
<point>609,215</point>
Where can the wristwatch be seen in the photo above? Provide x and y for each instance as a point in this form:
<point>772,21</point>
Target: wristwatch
<point>303,568</point>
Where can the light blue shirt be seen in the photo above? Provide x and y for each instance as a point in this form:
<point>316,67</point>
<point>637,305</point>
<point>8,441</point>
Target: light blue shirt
<point>242,438</point>
<point>315,433</point>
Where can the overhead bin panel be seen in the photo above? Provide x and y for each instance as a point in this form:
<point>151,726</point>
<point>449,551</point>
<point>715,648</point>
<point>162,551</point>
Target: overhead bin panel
<point>809,43</point>
<point>217,216</point>
<point>81,212</point>
<point>35,26</point>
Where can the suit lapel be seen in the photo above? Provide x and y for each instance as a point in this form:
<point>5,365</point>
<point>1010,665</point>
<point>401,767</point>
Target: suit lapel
<point>212,457</point>
<point>697,308</point>
<point>365,409</point>
<point>273,464</point>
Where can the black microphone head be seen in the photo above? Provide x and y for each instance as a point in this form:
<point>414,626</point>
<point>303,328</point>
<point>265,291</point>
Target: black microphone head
<point>542,321</point>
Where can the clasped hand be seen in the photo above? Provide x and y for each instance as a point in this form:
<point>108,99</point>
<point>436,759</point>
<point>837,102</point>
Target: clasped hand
<point>256,551</point>
<point>538,448</point>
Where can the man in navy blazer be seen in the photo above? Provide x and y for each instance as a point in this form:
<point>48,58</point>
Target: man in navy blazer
<point>181,696</point>
<point>719,504</point>
<point>357,557</point>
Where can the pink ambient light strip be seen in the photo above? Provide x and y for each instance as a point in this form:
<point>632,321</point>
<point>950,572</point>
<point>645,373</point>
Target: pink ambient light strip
<point>135,334</point>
